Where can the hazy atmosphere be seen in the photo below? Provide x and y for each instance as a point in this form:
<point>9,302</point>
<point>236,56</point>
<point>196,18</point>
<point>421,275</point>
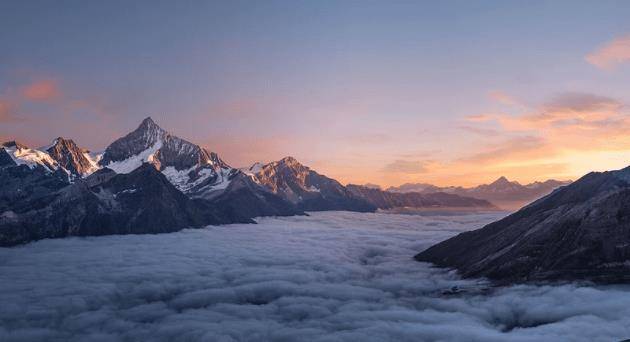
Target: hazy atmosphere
<point>451,93</point>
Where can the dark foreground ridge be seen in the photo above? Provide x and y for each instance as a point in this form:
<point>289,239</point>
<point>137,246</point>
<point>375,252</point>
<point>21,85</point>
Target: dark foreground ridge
<point>579,232</point>
<point>141,202</point>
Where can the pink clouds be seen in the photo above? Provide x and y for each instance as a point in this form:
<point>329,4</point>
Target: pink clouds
<point>480,117</point>
<point>612,54</point>
<point>573,110</point>
<point>42,90</point>
<point>38,91</point>
<point>503,98</point>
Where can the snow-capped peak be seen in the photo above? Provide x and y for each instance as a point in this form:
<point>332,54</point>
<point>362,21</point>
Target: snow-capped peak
<point>186,165</point>
<point>22,155</point>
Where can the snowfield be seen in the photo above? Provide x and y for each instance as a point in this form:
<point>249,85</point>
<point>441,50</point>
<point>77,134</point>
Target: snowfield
<point>333,276</point>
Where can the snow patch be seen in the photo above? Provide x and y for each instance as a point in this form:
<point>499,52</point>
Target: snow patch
<point>31,158</point>
<point>181,178</point>
<point>93,165</point>
<point>134,162</point>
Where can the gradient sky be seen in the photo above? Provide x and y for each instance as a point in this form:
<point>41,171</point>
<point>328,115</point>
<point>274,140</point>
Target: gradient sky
<point>446,92</point>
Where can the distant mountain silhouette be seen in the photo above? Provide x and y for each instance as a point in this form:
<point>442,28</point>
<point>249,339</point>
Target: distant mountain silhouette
<point>502,192</point>
<point>434,200</point>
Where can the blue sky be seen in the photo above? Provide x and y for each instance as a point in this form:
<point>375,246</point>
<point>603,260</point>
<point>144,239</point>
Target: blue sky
<point>351,87</point>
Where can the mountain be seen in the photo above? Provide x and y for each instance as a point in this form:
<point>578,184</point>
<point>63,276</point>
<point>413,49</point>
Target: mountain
<point>77,161</point>
<point>578,232</point>
<point>502,192</point>
<point>305,188</point>
<point>21,154</point>
<point>389,200</point>
<point>62,155</point>
<point>193,170</point>
<point>142,201</point>
<point>148,181</point>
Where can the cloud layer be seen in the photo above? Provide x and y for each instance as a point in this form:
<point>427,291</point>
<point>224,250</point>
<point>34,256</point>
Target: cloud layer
<point>612,54</point>
<point>328,277</point>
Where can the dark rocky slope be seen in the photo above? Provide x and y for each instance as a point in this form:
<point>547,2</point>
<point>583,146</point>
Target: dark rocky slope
<point>72,158</point>
<point>579,232</point>
<point>140,202</point>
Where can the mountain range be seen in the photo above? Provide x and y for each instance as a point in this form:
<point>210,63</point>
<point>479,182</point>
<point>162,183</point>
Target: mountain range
<point>150,181</point>
<point>431,200</point>
<point>502,192</point>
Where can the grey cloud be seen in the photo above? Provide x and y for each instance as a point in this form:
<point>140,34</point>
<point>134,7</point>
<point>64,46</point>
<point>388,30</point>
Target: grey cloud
<point>405,166</point>
<point>581,102</point>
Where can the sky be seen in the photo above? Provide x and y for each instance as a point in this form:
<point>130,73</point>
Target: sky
<point>385,92</point>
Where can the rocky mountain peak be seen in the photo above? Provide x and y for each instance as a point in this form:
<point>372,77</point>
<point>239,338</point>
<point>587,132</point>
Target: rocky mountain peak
<point>149,130</point>
<point>14,144</point>
<point>289,162</point>
<point>71,157</point>
<point>501,181</point>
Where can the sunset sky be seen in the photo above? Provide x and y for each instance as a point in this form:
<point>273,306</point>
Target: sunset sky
<point>444,92</point>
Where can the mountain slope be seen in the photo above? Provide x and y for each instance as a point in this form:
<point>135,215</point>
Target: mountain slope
<point>389,200</point>
<point>72,158</point>
<point>305,188</point>
<point>23,155</point>
<point>143,201</point>
<point>580,231</point>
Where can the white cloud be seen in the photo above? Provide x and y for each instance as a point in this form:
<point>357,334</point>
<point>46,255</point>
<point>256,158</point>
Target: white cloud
<point>328,277</point>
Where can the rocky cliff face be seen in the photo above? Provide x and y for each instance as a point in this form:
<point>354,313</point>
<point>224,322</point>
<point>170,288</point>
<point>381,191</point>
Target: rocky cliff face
<point>68,155</point>
<point>580,231</point>
<point>389,200</point>
<point>305,188</point>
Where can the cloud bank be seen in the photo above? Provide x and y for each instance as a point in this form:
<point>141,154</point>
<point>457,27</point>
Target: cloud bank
<point>328,277</point>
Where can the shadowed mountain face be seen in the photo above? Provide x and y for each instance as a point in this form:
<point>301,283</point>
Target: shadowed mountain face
<point>143,201</point>
<point>580,231</point>
<point>390,200</point>
<point>305,188</point>
<point>502,192</point>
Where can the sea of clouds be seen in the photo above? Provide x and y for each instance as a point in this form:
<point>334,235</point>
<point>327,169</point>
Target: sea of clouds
<point>333,276</point>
